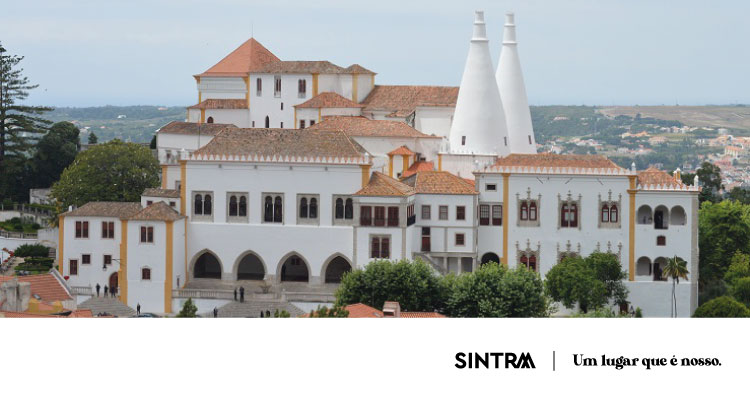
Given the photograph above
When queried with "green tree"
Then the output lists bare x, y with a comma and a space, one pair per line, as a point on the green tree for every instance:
709, 176
414, 284
189, 309
739, 268
572, 282
676, 268
724, 229
333, 312
54, 152
740, 290
152, 145
92, 138
739, 194
494, 291
113, 171
17, 122
722, 307
607, 269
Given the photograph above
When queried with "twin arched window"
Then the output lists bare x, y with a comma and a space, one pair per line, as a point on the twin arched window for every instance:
308, 208
344, 209
528, 210
529, 261
610, 214
237, 206
272, 209
569, 215
203, 204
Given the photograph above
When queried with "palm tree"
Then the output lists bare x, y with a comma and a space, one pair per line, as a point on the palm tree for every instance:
676, 268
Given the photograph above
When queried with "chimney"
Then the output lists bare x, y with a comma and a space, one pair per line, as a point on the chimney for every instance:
15, 295
513, 93
479, 121
391, 309
678, 175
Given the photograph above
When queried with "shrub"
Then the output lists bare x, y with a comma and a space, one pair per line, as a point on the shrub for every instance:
722, 307
188, 309
638, 312
32, 250
741, 290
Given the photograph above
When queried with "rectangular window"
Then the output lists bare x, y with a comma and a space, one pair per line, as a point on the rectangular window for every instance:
460, 213
82, 229
392, 216
484, 214
460, 239
108, 230
425, 239
380, 247
443, 211
463, 140
147, 234
661, 240
277, 86
379, 216
281, 124
172, 204
302, 124
73, 264
258, 87
425, 212
146, 274
85, 259
365, 215
497, 215
302, 88
107, 259
149, 202
490, 187
312, 122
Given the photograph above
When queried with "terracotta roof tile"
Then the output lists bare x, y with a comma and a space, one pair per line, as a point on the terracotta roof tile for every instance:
158, 211
307, 67
401, 151
220, 104
548, 160
360, 310
73, 314
438, 182
418, 166
251, 56
281, 142
46, 286
653, 176
401, 101
383, 185
357, 69
421, 314
105, 209
193, 128
159, 192
329, 100
361, 126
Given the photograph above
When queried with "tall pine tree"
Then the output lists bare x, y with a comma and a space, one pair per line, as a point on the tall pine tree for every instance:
18, 123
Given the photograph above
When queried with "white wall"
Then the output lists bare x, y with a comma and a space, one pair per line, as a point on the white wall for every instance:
237, 117
229, 87
434, 120
148, 293
90, 275
269, 105
464, 165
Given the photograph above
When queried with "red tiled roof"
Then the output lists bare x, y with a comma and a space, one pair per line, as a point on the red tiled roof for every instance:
117, 209
357, 69
329, 100
220, 104
251, 56
421, 314
159, 192
46, 286
307, 67
383, 185
193, 128
401, 151
548, 160
361, 126
438, 182
418, 166
653, 176
401, 101
158, 211
360, 310
73, 314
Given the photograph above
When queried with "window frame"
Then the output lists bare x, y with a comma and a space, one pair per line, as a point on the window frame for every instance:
108, 230
274, 205
258, 87
146, 234
308, 198
277, 86
145, 271
462, 236
365, 215
485, 220
237, 218
443, 210
461, 216
73, 263
84, 257
380, 253
202, 216
428, 209
492, 215
302, 88
104, 259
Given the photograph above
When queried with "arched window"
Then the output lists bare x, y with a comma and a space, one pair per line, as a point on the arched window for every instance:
569, 215
349, 209
268, 122
243, 206
233, 206
303, 208
573, 215
268, 209
210, 120
207, 205
198, 206
313, 207
605, 213
524, 211
339, 213
259, 86
146, 274
613, 217
564, 216
277, 215
532, 211
524, 261
532, 263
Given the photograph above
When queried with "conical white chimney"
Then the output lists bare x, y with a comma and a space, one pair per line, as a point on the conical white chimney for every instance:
513, 93
478, 122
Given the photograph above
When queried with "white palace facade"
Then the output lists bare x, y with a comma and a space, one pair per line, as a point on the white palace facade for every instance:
289, 173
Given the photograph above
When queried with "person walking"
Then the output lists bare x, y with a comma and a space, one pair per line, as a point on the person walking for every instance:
242, 294
235, 294
106, 290
216, 312
138, 309
261, 314
98, 287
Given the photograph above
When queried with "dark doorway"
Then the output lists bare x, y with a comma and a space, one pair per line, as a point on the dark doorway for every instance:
294, 270
207, 266
336, 270
490, 257
251, 268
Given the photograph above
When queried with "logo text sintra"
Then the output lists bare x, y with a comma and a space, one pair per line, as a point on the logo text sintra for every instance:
494, 361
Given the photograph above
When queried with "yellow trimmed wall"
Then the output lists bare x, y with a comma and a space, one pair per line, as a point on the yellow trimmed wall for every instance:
405, 160
506, 197
163, 176
315, 84
183, 181
390, 165
355, 81
631, 229
168, 270
440, 162
122, 275
61, 244
365, 174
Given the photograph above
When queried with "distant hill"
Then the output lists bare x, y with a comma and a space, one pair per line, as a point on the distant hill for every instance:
129, 123
733, 117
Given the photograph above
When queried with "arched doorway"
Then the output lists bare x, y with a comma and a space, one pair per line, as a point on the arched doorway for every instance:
207, 266
336, 269
210, 120
268, 122
661, 217
294, 269
490, 257
113, 283
251, 267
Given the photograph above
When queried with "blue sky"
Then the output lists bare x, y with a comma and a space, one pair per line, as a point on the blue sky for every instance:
604, 52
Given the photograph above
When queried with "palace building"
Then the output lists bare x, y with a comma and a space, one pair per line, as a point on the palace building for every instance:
287, 174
